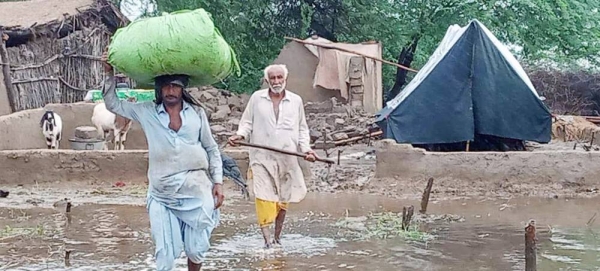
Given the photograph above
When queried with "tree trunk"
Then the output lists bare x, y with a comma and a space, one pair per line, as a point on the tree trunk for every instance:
405, 59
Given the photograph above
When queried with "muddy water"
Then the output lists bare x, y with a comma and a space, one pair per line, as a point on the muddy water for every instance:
116, 237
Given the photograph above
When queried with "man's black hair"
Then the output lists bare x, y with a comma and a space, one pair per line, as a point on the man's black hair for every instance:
163, 80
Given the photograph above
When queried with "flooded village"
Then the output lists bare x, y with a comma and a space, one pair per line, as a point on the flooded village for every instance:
446, 175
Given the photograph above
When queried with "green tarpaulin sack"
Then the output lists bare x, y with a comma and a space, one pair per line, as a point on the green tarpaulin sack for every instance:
182, 42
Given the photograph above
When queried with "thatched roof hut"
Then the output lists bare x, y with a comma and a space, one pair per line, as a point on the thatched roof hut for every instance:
53, 48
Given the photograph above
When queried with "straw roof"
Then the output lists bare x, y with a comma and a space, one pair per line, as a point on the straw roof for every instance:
29, 12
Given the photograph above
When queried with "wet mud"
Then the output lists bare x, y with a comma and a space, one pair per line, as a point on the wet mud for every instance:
108, 229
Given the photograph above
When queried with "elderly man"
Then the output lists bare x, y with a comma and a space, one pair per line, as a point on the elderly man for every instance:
184, 168
275, 117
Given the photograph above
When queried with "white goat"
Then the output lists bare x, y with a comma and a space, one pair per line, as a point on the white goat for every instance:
51, 124
105, 121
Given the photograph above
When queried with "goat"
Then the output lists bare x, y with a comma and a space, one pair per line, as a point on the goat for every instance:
105, 121
51, 125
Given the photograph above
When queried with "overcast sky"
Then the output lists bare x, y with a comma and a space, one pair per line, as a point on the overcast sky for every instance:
132, 9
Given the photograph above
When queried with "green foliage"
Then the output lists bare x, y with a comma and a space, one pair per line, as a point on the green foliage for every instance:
561, 30
383, 226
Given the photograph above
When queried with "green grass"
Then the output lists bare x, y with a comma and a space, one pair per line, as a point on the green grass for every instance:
388, 225
10, 232
383, 226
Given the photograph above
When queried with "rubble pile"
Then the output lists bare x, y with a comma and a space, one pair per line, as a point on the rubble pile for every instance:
340, 177
224, 110
331, 118
331, 121
574, 128
339, 122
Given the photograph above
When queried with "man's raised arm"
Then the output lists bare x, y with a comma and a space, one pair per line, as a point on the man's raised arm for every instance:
111, 100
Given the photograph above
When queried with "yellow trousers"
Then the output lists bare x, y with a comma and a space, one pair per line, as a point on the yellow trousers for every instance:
267, 211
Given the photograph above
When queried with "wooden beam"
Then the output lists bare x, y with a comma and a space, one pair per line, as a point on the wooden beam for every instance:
6, 71
62, 80
35, 80
351, 52
48, 61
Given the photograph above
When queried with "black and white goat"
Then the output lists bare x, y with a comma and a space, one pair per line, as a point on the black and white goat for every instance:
51, 124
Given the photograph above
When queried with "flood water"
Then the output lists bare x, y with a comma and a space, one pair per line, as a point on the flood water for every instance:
489, 237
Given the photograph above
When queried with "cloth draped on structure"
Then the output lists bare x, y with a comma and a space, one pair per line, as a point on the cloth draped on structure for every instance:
332, 70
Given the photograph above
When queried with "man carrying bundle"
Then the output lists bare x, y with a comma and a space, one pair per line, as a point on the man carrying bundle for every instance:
275, 117
184, 168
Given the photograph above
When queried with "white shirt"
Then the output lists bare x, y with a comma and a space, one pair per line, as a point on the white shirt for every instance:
276, 177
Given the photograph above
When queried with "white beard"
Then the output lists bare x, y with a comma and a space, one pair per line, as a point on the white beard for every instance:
277, 89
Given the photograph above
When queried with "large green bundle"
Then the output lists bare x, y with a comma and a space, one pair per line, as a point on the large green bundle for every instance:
182, 42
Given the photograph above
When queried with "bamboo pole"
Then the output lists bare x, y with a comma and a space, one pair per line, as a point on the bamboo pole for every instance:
6, 71
328, 161
351, 52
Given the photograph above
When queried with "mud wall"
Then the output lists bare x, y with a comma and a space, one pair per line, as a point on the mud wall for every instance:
302, 64
21, 130
404, 162
44, 166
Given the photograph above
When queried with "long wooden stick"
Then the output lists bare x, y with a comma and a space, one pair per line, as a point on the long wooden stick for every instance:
328, 161
352, 52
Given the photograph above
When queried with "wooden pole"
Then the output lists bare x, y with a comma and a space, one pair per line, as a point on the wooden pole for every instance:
407, 213
68, 212
351, 52
530, 247
6, 71
357, 138
68, 258
328, 161
426, 194
468, 145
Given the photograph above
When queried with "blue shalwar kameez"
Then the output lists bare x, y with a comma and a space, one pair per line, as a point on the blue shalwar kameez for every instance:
183, 166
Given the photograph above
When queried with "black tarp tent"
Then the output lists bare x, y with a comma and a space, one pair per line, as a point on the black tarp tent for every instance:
471, 86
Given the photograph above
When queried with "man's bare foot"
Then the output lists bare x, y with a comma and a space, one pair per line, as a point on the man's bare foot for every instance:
276, 243
266, 235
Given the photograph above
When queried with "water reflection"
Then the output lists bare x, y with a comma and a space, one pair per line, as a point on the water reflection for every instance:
571, 249
116, 237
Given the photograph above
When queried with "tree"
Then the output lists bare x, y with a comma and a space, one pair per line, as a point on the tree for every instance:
564, 30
